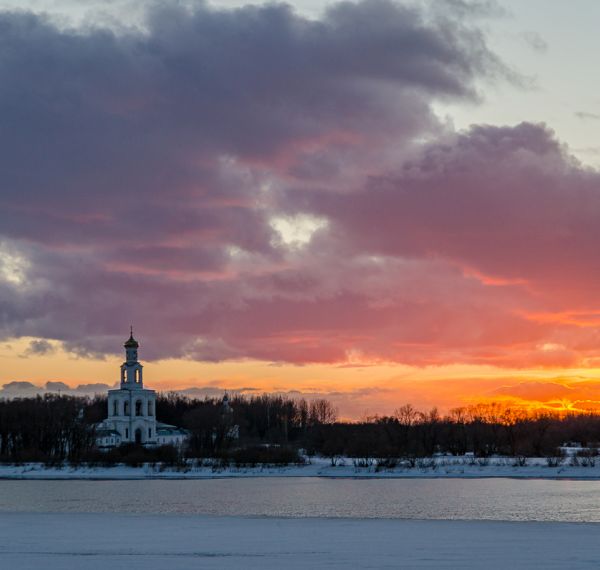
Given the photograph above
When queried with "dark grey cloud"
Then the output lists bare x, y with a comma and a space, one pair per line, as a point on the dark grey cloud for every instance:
19, 389
39, 347
18, 385
103, 132
215, 391
56, 387
535, 41
139, 169
93, 388
585, 116
24, 389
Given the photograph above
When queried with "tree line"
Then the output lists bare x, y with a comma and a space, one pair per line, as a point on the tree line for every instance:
273, 428
483, 430
54, 428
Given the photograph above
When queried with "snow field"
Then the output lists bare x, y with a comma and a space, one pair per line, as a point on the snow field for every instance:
103, 541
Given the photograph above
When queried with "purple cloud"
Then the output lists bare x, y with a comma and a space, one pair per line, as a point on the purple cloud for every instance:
141, 172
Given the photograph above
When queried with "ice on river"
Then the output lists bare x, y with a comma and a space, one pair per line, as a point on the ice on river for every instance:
109, 541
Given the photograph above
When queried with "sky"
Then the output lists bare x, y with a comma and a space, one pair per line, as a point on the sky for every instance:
376, 202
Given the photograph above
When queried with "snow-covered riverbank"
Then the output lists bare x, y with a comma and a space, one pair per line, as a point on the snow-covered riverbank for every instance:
451, 467
100, 541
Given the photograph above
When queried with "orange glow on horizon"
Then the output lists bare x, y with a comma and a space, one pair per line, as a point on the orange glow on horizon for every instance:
581, 319
358, 389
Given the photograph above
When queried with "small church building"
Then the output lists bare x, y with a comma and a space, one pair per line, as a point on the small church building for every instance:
132, 410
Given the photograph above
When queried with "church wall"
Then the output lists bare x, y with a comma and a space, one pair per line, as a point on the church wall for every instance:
139, 403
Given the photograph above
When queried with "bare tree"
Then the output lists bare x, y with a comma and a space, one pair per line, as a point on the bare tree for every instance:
322, 412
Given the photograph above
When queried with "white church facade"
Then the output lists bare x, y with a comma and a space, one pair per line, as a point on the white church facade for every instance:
132, 410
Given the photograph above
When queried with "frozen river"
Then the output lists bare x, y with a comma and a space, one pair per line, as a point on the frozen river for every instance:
448, 499
183, 542
299, 523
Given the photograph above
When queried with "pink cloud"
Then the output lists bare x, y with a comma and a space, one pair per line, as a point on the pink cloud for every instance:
143, 189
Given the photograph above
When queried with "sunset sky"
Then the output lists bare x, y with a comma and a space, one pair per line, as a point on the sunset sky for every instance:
377, 202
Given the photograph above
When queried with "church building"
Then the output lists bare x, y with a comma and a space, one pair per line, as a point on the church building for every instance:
132, 410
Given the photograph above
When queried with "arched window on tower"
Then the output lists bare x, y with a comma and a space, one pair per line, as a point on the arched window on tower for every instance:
150, 409
138, 407
126, 410
115, 407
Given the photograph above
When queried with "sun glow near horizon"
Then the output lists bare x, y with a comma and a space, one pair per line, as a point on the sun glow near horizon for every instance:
356, 390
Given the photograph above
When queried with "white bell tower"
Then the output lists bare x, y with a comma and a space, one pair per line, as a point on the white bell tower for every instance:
132, 408
131, 369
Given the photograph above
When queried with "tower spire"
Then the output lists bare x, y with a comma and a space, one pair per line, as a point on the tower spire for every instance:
131, 342
131, 370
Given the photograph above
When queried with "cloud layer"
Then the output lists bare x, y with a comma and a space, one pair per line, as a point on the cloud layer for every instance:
251, 183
